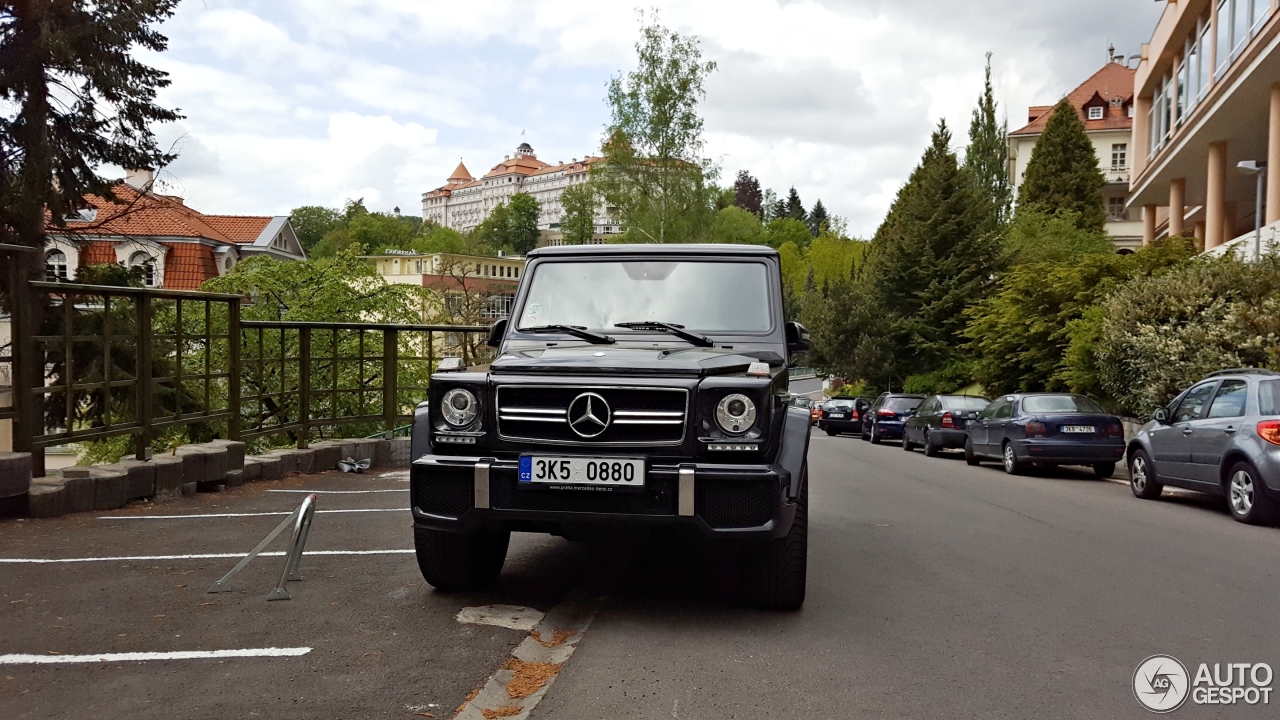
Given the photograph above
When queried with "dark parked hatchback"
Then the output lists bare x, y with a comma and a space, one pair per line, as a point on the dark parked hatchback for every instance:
1046, 429
885, 418
939, 423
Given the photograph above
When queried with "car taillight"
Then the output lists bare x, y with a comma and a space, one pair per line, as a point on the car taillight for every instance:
855, 415
885, 412
947, 421
1115, 430
1269, 430
1035, 428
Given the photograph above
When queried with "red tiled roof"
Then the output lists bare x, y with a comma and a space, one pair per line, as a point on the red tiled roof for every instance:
97, 253
461, 173
187, 265
1113, 82
238, 228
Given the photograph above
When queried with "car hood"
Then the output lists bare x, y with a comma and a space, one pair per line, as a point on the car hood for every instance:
615, 360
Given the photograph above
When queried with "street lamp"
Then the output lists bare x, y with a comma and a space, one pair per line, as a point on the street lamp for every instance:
1257, 168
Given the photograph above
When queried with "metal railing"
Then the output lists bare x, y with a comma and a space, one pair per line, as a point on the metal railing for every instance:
102, 362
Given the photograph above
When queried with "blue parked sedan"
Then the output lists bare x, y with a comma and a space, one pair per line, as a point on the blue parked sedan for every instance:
884, 419
1046, 429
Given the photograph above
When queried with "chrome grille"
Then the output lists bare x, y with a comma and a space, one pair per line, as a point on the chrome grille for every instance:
638, 415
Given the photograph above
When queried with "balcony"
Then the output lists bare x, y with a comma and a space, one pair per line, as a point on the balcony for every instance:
1117, 176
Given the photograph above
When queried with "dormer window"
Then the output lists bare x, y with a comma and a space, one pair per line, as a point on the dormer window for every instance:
142, 261
1095, 113
55, 266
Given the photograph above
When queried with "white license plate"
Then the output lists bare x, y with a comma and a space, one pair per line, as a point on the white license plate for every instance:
589, 472
1078, 429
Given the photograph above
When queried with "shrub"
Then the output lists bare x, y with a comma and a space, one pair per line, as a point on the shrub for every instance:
1162, 333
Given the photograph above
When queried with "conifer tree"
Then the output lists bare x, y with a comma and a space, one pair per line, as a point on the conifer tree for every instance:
987, 157
746, 193
1063, 173
795, 208
818, 218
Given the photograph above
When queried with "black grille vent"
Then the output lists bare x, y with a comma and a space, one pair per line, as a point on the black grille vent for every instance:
640, 416
659, 498
733, 503
448, 495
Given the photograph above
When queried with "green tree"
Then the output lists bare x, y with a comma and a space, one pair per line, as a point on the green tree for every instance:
818, 219
578, 225
747, 195
987, 156
1034, 237
1021, 333
737, 225
933, 256
1063, 172
653, 170
795, 208
312, 222
774, 206
378, 232
785, 230
522, 229
76, 99
436, 239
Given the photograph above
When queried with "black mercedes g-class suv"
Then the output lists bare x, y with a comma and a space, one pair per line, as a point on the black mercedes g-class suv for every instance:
634, 384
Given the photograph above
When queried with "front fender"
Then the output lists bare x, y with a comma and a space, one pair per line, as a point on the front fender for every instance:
795, 446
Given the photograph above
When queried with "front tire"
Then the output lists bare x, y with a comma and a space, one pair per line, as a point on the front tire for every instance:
460, 561
774, 571
1142, 477
1012, 464
970, 456
1247, 498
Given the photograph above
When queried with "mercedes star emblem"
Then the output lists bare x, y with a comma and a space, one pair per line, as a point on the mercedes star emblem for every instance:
589, 415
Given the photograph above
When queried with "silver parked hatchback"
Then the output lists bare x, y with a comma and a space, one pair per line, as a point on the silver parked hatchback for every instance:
1220, 436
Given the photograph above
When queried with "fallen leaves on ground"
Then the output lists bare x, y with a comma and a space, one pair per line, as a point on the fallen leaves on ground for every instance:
557, 638
504, 711
528, 677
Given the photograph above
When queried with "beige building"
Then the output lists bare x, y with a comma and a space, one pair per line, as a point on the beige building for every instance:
463, 202
474, 288
1105, 105
1208, 98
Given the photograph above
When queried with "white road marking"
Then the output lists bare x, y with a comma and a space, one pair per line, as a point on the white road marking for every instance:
395, 475
231, 515
340, 492
507, 616
144, 656
206, 556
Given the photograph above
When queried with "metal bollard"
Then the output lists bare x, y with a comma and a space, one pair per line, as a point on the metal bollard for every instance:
301, 521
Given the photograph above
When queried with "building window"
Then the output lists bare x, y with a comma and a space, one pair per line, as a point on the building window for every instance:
1119, 159
55, 266
143, 262
1224, 35
1261, 9
1095, 113
1116, 211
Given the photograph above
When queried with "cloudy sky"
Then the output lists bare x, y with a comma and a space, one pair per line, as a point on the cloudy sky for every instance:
293, 102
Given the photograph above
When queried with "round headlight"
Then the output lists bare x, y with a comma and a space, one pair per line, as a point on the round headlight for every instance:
458, 407
735, 414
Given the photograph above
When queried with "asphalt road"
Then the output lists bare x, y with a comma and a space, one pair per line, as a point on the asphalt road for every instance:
935, 590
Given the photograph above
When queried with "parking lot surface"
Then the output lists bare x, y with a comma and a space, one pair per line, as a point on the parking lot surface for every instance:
935, 590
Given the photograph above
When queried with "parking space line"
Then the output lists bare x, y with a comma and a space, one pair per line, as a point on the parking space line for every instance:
233, 515
144, 656
340, 492
204, 556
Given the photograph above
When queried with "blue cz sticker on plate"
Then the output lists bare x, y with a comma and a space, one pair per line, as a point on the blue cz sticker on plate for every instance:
526, 469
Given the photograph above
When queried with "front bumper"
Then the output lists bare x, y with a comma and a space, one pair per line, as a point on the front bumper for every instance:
1068, 452
737, 501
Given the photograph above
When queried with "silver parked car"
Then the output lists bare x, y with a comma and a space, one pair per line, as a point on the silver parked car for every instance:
1220, 436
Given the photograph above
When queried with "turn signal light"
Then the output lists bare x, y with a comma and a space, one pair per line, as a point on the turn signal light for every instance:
1269, 430
1035, 428
947, 421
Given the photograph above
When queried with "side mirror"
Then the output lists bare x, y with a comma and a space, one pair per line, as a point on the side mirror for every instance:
496, 333
1161, 416
797, 338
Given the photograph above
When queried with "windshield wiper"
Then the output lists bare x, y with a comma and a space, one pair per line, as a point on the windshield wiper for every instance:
578, 332
677, 330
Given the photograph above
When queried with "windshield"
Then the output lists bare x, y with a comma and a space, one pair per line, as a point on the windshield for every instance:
699, 295
964, 402
900, 404
1060, 404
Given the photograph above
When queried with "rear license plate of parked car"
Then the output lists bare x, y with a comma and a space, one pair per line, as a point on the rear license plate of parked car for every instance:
623, 473
1077, 428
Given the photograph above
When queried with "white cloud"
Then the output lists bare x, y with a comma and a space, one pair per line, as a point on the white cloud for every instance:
315, 101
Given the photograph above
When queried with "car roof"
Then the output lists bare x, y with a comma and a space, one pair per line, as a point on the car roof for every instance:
613, 250
1240, 372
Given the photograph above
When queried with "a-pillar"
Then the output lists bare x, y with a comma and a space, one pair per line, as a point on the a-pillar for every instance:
1177, 206
1273, 158
1148, 224
1215, 196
